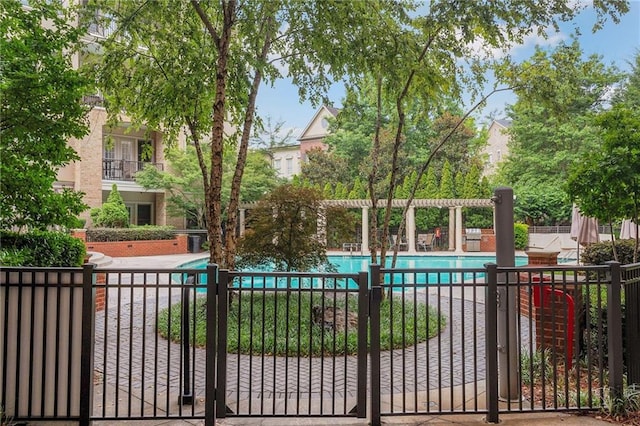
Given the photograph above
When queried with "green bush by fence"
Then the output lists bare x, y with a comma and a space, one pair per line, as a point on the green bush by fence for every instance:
521, 234
41, 249
140, 233
599, 253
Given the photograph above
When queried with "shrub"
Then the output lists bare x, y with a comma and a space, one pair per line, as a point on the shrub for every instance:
600, 253
113, 213
521, 233
41, 249
138, 233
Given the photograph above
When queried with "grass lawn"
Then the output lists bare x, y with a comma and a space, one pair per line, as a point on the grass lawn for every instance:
267, 323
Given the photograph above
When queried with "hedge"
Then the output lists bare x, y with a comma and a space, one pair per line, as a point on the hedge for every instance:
139, 233
599, 253
41, 249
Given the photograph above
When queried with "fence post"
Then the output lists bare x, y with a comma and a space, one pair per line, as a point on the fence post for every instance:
507, 333
363, 316
212, 315
187, 392
374, 315
86, 355
614, 330
491, 318
221, 358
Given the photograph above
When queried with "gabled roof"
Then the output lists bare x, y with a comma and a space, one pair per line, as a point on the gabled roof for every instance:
504, 123
323, 109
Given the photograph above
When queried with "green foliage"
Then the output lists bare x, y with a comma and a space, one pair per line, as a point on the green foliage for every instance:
541, 205
602, 252
281, 231
113, 213
625, 405
41, 249
261, 323
341, 226
606, 183
41, 109
135, 233
559, 92
447, 189
534, 367
521, 235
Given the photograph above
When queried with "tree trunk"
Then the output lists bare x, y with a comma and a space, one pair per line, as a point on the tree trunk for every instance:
234, 200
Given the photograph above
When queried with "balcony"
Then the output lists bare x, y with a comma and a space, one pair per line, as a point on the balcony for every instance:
125, 170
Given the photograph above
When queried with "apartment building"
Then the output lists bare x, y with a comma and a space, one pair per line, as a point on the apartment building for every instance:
287, 160
113, 155
497, 145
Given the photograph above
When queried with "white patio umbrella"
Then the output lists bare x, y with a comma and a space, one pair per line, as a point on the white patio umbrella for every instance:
628, 230
584, 230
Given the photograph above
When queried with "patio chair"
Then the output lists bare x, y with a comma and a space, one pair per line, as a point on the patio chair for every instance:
426, 241
402, 245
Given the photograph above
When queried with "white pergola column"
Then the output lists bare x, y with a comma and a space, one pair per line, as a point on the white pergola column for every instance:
242, 219
459, 230
411, 228
365, 230
452, 229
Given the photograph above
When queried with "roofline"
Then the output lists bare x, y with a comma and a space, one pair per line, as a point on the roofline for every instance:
314, 119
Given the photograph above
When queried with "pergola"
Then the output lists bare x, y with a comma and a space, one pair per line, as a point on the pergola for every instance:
455, 216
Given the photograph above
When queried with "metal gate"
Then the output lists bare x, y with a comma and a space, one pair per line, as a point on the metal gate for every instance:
275, 344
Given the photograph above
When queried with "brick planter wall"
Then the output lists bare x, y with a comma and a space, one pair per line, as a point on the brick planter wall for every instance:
488, 240
136, 248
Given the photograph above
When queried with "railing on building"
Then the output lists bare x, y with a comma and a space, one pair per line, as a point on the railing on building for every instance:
125, 170
567, 347
565, 229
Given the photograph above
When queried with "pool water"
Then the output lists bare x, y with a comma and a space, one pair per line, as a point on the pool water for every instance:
353, 264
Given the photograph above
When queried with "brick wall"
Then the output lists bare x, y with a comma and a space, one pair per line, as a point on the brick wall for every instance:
136, 248
551, 321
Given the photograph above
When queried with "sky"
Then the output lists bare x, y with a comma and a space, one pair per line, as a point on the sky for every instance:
616, 43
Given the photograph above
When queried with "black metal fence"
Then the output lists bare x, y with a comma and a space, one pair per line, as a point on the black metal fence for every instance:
200, 344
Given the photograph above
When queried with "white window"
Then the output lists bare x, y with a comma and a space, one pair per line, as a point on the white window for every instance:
276, 164
289, 166
499, 155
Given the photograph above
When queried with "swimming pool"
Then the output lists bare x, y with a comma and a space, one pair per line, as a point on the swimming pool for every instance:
348, 264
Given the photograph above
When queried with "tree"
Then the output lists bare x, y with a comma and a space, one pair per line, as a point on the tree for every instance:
113, 213
183, 182
425, 55
41, 109
200, 65
282, 231
606, 183
324, 167
559, 93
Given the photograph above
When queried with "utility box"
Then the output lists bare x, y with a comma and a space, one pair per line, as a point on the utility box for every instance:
193, 244
473, 237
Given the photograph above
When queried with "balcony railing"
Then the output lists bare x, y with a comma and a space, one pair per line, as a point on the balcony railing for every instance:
102, 29
125, 169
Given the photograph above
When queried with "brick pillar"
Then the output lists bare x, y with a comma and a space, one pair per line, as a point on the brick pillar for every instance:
101, 293
551, 309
